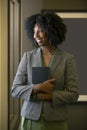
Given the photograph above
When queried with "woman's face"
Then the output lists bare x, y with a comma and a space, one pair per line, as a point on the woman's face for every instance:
40, 36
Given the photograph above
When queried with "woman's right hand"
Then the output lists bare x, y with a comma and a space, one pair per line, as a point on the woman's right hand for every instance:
45, 87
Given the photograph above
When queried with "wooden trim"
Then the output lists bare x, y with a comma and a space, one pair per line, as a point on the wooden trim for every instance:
14, 122
14, 57
64, 10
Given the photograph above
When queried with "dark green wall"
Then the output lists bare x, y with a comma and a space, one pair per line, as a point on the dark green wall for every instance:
65, 4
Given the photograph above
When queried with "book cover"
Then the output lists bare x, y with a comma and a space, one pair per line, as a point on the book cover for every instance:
40, 74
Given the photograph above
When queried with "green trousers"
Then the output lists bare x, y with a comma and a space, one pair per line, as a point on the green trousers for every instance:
42, 125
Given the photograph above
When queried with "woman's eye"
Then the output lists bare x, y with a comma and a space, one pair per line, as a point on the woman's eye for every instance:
40, 30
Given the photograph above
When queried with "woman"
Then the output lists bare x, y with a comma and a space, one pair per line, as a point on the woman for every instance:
45, 104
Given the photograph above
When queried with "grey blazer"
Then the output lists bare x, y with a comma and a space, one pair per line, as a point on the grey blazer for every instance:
63, 69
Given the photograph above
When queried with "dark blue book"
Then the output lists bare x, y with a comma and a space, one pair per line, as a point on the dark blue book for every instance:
40, 74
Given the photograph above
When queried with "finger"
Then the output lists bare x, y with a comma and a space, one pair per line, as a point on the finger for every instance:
51, 80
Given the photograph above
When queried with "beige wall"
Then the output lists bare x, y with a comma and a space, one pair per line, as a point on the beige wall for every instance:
0, 65
3, 66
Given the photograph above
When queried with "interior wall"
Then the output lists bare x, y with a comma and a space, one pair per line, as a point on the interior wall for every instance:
65, 4
77, 116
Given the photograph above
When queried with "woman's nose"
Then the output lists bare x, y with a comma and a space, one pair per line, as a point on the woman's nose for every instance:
36, 34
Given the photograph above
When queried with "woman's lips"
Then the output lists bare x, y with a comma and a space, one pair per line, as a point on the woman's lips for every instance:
38, 40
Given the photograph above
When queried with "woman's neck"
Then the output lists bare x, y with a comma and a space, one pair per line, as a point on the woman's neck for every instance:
47, 50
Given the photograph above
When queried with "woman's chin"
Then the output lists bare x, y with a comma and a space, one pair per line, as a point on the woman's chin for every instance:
40, 44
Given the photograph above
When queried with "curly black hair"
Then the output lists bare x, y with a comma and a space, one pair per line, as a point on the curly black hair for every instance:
52, 23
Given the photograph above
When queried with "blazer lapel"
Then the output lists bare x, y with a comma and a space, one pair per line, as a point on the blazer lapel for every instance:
56, 60
36, 62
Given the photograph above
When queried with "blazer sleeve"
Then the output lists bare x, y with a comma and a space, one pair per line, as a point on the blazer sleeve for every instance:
21, 88
71, 92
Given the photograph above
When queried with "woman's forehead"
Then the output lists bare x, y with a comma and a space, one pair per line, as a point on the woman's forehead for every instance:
37, 26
